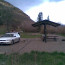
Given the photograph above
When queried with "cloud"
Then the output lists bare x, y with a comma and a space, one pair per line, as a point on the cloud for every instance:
25, 4
55, 10
55, 0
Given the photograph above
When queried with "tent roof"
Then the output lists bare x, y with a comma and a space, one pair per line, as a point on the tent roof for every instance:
45, 22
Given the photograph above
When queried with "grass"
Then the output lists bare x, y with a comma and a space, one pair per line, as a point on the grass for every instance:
29, 35
2, 30
33, 58
62, 35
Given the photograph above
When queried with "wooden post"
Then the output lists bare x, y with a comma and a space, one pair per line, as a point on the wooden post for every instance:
45, 34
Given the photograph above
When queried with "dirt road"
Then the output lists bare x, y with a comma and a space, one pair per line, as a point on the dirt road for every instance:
34, 44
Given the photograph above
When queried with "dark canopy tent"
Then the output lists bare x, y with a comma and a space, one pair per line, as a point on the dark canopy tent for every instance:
45, 22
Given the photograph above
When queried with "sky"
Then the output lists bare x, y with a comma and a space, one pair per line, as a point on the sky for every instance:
55, 9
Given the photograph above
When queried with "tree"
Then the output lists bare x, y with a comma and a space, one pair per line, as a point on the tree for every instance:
39, 19
40, 16
48, 18
1, 23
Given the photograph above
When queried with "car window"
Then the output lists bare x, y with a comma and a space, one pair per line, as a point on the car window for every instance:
17, 35
8, 35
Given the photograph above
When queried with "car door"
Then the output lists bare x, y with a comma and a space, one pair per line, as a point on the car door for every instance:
16, 37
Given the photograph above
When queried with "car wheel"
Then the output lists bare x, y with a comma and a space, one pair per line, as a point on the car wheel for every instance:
19, 40
12, 42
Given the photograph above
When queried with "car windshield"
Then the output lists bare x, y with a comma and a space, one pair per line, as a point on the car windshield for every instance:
7, 35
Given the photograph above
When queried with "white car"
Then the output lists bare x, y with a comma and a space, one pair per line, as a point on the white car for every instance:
10, 38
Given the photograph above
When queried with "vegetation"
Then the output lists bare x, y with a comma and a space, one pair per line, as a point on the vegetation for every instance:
30, 35
33, 58
14, 18
40, 17
2, 30
6, 15
62, 35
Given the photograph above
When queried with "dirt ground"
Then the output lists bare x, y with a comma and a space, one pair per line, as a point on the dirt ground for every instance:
34, 44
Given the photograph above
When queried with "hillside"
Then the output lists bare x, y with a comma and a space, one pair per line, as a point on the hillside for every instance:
14, 18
